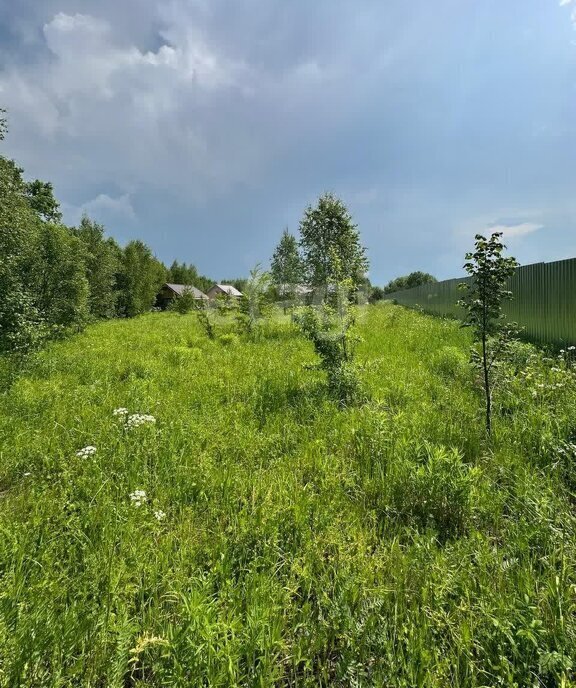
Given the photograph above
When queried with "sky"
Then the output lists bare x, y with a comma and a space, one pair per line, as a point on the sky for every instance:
205, 127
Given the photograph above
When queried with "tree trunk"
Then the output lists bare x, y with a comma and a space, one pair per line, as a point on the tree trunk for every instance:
486, 386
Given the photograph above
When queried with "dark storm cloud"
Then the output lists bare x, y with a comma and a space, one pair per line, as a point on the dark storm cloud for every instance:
204, 127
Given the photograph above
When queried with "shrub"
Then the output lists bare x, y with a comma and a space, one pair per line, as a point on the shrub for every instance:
330, 331
254, 303
206, 320
185, 303
435, 492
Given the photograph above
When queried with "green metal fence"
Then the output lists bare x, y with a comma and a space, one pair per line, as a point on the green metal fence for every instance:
543, 304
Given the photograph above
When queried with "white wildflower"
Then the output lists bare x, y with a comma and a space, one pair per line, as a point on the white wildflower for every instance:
86, 452
572, 348
27, 474
137, 419
159, 515
120, 412
138, 497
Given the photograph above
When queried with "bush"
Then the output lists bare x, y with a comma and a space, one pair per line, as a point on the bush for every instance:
185, 303
329, 329
206, 320
434, 493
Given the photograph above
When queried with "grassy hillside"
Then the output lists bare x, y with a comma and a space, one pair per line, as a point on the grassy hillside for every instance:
255, 534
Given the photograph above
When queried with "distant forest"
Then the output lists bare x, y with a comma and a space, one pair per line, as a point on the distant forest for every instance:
55, 279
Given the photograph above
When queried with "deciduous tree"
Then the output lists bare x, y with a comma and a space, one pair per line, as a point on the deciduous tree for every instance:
101, 259
41, 198
489, 271
58, 278
140, 278
20, 321
330, 244
414, 279
286, 266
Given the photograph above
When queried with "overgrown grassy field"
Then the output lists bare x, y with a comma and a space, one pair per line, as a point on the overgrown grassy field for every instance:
279, 540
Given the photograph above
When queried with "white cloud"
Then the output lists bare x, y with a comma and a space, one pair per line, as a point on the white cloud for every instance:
116, 114
566, 3
519, 230
120, 206
102, 208
188, 97
190, 116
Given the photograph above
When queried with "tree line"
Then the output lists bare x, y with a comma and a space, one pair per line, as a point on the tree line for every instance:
54, 279
328, 251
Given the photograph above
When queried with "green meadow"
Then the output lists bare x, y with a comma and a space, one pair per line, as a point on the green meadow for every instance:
180, 511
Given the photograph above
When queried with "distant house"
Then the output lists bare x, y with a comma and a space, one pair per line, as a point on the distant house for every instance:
226, 289
169, 292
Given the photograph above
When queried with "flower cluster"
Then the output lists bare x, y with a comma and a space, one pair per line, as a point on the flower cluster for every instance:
138, 497
86, 452
549, 378
133, 420
137, 419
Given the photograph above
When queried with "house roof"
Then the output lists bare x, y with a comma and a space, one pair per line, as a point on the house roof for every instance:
229, 289
182, 288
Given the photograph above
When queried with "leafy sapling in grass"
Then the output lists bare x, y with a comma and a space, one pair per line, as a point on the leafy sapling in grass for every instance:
330, 329
225, 303
185, 303
253, 304
489, 271
205, 317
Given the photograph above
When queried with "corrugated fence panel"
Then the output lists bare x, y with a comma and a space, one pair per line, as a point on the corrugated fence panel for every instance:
543, 304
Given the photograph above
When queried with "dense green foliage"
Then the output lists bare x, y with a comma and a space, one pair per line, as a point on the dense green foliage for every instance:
330, 329
185, 303
141, 276
376, 294
281, 539
102, 259
57, 277
414, 279
330, 244
41, 199
54, 279
181, 273
286, 267
20, 321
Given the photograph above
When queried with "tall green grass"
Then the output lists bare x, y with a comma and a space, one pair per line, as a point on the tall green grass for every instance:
285, 541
